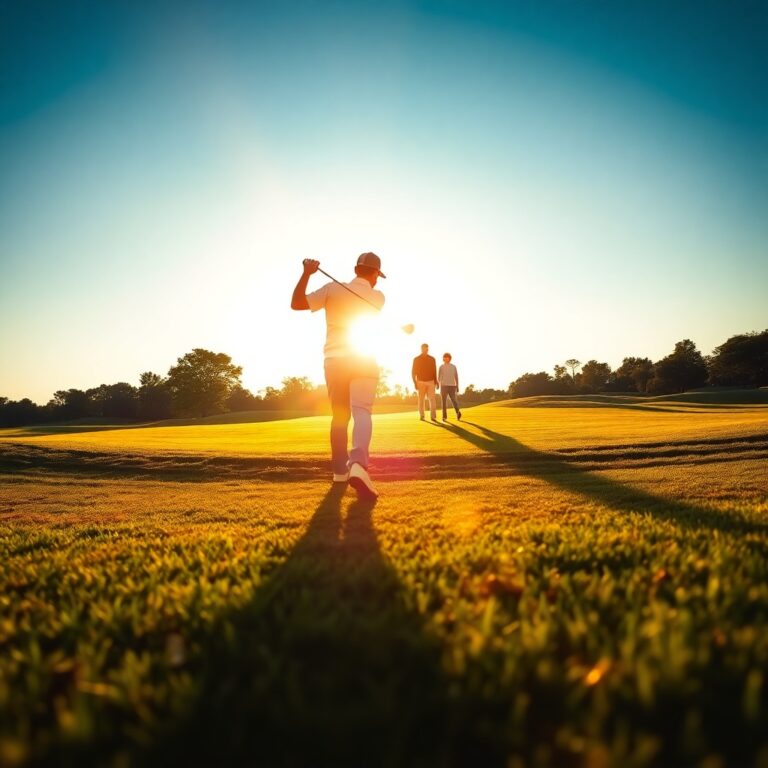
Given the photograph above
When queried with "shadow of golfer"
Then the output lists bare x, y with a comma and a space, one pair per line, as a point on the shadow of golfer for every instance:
322, 666
571, 477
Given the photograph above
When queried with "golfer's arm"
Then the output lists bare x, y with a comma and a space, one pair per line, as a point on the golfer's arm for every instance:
299, 298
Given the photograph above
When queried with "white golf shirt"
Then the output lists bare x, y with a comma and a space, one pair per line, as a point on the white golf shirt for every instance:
448, 375
342, 310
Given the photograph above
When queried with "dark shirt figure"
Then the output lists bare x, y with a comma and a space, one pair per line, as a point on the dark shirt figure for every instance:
424, 373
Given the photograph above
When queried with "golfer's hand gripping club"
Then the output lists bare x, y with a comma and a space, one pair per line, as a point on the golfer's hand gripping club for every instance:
310, 266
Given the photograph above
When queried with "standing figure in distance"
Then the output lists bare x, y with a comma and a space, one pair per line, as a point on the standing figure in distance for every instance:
424, 373
448, 378
351, 378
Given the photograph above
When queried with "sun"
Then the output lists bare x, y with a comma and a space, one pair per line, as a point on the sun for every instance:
389, 343
371, 336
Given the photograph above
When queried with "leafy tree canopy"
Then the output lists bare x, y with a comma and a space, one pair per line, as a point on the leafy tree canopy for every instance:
742, 360
201, 381
684, 369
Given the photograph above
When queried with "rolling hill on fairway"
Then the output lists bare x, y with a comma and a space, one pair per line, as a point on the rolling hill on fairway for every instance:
540, 423
542, 584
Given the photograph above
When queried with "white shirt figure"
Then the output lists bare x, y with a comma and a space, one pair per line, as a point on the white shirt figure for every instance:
448, 378
447, 375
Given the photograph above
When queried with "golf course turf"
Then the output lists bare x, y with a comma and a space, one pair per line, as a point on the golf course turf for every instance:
551, 582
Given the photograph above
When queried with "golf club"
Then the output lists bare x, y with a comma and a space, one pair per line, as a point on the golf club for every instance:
408, 328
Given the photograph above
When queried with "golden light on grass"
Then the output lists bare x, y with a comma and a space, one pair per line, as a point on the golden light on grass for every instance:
597, 673
463, 517
399, 433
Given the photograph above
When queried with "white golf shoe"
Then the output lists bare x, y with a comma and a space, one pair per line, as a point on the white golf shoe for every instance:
337, 478
361, 481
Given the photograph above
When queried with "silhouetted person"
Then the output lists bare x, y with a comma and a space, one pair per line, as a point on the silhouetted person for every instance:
448, 379
351, 378
424, 373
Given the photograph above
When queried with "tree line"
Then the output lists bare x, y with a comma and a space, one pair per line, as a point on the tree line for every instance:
741, 361
201, 383
204, 383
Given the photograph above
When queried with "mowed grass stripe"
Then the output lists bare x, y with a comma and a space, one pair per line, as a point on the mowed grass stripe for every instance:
498, 454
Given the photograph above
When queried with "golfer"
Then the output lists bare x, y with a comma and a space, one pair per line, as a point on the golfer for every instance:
424, 373
448, 378
350, 377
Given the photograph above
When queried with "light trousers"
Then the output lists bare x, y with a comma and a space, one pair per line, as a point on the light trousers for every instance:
351, 383
426, 390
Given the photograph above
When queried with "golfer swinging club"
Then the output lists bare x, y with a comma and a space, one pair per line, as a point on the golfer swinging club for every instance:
350, 377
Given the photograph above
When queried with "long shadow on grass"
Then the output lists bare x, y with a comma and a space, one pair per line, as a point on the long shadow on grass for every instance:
571, 477
327, 666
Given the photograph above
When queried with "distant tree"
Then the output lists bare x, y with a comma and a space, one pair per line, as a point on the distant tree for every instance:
530, 384
642, 373
382, 387
595, 376
148, 379
122, 400
684, 369
201, 381
95, 404
154, 397
241, 399
295, 386
69, 404
573, 364
299, 393
621, 380
271, 397
634, 373
472, 394
563, 383
119, 400
18, 413
741, 361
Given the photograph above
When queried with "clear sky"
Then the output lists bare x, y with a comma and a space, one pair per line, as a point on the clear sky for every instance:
542, 180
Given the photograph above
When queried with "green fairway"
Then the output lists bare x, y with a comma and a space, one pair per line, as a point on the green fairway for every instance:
552, 582
542, 423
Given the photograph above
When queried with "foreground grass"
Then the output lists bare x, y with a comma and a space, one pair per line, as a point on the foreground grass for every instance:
560, 614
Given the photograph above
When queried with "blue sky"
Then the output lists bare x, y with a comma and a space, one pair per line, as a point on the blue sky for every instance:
542, 181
